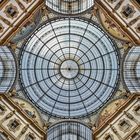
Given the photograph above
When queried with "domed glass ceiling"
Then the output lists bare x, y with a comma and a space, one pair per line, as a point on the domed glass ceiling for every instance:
69, 6
69, 67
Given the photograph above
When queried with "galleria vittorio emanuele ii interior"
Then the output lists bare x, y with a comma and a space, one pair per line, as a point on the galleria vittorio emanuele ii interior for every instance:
69, 69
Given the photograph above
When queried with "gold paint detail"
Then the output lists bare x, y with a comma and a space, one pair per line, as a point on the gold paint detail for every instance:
111, 27
110, 110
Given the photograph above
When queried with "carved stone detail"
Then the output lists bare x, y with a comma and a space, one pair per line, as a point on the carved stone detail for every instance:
1, 28
2, 109
108, 137
27, 1
138, 28
11, 11
125, 125
137, 110
30, 135
14, 125
128, 11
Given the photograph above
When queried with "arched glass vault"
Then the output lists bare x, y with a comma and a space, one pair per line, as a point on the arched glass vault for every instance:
131, 69
69, 130
69, 7
7, 69
69, 67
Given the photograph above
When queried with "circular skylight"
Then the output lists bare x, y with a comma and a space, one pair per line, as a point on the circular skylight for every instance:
69, 6
132, 69
69, 130
69, 67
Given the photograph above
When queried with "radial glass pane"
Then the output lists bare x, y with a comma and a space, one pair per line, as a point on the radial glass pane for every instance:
69, 68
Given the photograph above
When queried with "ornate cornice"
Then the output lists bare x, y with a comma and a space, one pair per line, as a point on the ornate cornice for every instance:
117, 22
16, 27
23, 114
113, 116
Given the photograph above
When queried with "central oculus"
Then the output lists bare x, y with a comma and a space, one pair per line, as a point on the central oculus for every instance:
69, 69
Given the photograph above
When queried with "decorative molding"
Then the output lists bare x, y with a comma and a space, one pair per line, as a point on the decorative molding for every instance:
108, 137
4, 135
21, 5
1, 28
12, 31
9, 115
5, 20
136, 110
24, 129
118, 5
14, 121
27, 1
138, 28
2, 109
134, 20
124, 123
111, 1
30, 135
136, 4
13, 9
130, 35
21, 112
124, 11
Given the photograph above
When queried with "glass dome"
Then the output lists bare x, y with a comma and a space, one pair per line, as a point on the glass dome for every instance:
69, 6
69, 67
7, 69
132, 69
69, 130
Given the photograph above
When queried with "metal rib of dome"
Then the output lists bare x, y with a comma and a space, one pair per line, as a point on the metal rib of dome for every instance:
69, 67
7, 69
69, 6
69, 130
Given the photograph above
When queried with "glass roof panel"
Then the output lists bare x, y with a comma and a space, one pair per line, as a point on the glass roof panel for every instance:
68, 73
69, 6
132, 69
7, 69
69, 130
